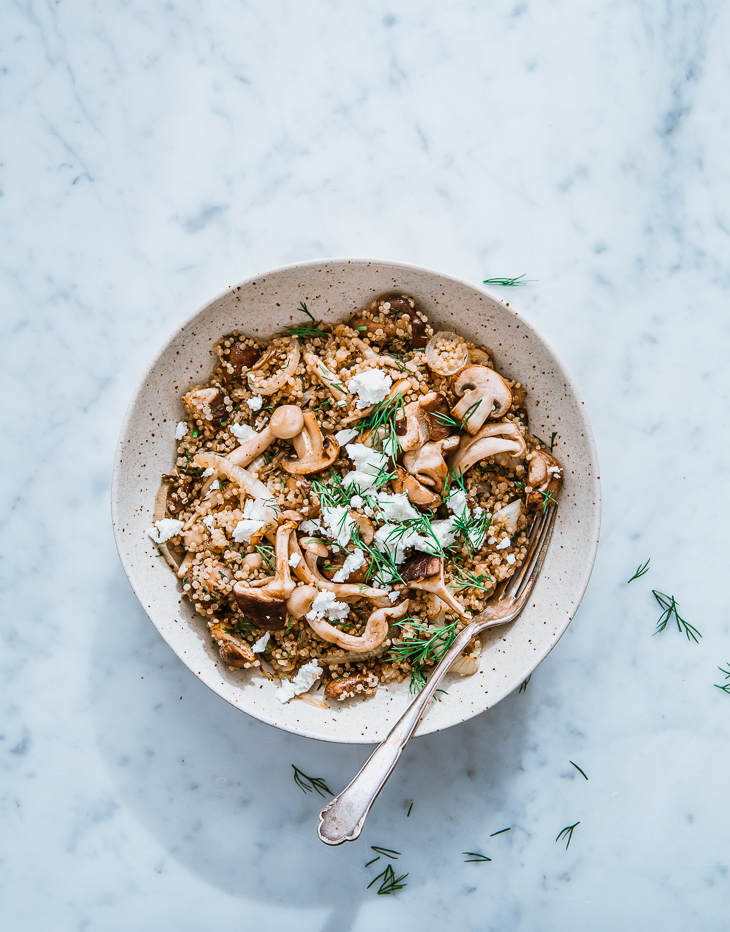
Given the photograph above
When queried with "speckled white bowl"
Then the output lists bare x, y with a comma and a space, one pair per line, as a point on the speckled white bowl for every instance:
334, 288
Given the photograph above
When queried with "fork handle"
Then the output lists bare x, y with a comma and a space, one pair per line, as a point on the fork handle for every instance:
342, 819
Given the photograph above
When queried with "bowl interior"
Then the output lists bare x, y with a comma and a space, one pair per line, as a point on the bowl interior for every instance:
333, 289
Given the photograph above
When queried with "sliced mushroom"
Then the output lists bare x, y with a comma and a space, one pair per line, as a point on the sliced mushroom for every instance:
418, 494
436, 409
282, 375
308, 571
233, 650
326, 376
206, 404
242, 357
376, 629
285, 423
545, 476
314, 452
425, 571
413, 429
467, 663
502, 437
267, 604
428, 465
483, 393
345, 686
216, 577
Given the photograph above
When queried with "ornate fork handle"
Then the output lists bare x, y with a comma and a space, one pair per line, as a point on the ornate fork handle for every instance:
343, 818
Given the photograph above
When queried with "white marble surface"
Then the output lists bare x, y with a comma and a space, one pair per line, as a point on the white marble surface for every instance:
152, 154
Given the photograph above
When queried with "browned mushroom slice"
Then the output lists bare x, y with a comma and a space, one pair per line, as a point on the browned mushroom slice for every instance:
242, 357
345, 686
484, 394
545, 476
502, 437
428, 465
266, 604
436, 409
314, 452
418, 494
283, 372
205, 404
233, 650
285, 423
326, 376
413, 429
216, 577
376, 629
425, 571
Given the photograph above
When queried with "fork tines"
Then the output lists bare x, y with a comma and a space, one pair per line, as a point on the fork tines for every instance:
536, 550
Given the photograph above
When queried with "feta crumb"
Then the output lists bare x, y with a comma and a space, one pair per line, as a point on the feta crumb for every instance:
214, 486
397, 507
510, 558
259, 646
346, 435
243, 431
208, 472
255, 403
164, 529
356, 501
310, 526
492, 541
294, 560
255, 515
208, 522
456, 503
326, 606
503, 544
302, 682
368, 463
370, 386
338, 524
181, 430
352, 562
393, 596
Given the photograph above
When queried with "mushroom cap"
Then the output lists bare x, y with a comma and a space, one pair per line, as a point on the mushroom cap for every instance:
501, 437
436, 408
233, 650
420, 566
314, 452
286, 421
484, 393
417, 493
265, 610
545, 475
427, 464
300, 601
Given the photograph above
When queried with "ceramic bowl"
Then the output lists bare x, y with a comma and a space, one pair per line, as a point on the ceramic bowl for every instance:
332, 289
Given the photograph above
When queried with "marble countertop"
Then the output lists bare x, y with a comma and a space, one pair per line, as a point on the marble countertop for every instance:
153, 154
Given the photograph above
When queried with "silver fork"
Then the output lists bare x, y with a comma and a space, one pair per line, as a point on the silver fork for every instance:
342, 819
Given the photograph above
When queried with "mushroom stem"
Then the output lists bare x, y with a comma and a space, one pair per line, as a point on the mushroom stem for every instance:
314, 452
285, 423
502, 437
376, 629
325, 376
425, 571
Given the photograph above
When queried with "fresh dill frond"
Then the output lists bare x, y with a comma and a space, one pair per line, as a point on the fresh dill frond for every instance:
425, 647
307, 784
408, 814
302, 332
552, 440
640, 570
467, 580
474, 858
305, 310
386, 852
580, 771
523, 687
390, 883
726, 687
381, 423
509, 282
567, 832
669, 607
500, 832
266, 552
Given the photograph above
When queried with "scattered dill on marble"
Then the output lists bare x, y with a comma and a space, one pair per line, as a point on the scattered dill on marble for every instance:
579, 769
474, 858
390, 883
510, 282
567, 832
726, 686
307, 784
640, 570
523, 687
500, 832
669, 607
408, 814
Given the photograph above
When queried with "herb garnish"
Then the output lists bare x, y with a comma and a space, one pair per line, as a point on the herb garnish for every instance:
726, 687
307, 784
305, 310
386, 852
390, 883
640, 570
669, 605
426, 647
552, 440
467, 580
474, 857
266, 552
567, 832
523, 687
509, 282
408, 814
578, 768
500, 832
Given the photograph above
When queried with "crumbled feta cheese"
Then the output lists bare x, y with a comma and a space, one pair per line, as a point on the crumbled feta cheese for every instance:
346, 435
259, 646
338, 524
208, 472
554, 471
445, 533
325, 605
208, 522
294, 560
352, 562
164, 529
243, 431
214, 486
356, 501
181, 430
503, 544
368, 463
393, 596
311, 526
395, 540
255, 403
302, 682
255, 515
511, 558
492, 541
456, 503
397, 507
370, 386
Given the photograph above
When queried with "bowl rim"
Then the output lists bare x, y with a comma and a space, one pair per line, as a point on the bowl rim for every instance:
594, 526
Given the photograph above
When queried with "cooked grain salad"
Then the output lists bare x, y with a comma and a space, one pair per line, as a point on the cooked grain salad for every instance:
345, 497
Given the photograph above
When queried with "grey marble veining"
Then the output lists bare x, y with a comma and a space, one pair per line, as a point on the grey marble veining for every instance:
151, 155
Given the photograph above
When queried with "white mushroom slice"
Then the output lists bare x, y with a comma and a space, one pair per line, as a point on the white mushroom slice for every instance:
376, 629
466, 664
425, 571
280, 378
252, 486
285, 423
484, 394
545, 476
428, 465
446, 353
326, 376
413, 429
502, 437
233, 650
314, 452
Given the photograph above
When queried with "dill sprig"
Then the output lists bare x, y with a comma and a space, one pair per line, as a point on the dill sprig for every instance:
302, 332
424, 648
552, 440
307, 784
408, 814
510, 282
390, 883
640, 570
580, 771
523, 687
266, 552
305, 310
726, 687
567, 832
381, 423
474, 858
467, 580
386, 852
500, 832
669, 607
